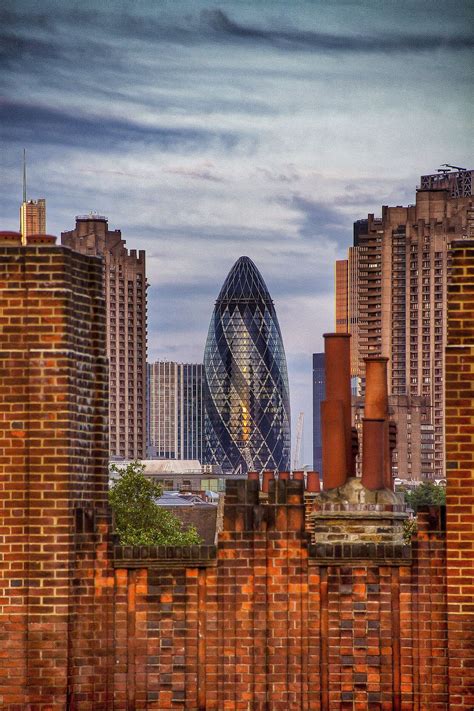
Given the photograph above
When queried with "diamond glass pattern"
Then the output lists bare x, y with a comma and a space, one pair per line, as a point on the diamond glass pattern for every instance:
246, 392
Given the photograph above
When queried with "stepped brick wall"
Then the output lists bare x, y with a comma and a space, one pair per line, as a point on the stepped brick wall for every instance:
266, 619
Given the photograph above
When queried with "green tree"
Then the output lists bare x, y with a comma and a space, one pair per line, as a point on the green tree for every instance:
426, 494
138, 519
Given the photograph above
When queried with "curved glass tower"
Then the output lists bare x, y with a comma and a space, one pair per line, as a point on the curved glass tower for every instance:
246, 394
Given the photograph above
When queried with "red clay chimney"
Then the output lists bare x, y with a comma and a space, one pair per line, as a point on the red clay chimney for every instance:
267, 477
376, 407
333, 444
313, 484
253, 476
298, 476
373, 453
283, 476
338, 462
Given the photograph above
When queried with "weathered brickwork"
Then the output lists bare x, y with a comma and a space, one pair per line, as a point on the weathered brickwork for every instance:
460, 475
53, 473
264, 623
268, 619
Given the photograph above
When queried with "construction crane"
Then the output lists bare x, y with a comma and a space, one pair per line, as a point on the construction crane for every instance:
299, 439
248, 458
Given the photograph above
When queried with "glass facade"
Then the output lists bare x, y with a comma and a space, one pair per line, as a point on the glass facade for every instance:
319, 388
246, 393
175, 410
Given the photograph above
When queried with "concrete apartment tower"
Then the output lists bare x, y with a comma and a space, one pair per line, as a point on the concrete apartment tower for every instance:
175, 410
125, 297
399, 267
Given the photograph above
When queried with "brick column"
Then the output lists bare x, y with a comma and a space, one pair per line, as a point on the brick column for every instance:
53, 475
460, 476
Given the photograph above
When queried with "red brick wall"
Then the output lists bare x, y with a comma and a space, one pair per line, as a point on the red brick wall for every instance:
53, 445
266, 620
460, 476
273, 622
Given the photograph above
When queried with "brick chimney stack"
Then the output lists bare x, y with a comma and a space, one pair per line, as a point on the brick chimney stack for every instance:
355, 509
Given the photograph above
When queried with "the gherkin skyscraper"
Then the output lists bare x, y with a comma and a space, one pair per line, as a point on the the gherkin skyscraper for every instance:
246, 394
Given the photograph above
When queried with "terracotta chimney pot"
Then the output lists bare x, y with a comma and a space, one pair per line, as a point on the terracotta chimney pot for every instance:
335, 462
267, 477
373, 453
337, 366
313, 483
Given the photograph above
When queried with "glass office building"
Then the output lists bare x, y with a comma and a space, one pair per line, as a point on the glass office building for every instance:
175, 410
246, 394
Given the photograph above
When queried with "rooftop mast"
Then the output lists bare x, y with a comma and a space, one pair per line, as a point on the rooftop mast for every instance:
24, 174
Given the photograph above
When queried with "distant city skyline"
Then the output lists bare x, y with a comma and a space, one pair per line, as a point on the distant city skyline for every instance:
205, 132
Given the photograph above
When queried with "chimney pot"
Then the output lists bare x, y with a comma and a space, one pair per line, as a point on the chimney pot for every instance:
268, 476
335, 462
337, 366
373, 453
313, 483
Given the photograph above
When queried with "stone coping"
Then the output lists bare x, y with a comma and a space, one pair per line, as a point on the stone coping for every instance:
359, 553
164, 556
359, 515
366, 508
356, 553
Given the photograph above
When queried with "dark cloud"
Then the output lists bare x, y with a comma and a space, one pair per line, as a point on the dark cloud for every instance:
31, 124
296, 39
14, 48
38, 40
319, 220
206, 174
190, 28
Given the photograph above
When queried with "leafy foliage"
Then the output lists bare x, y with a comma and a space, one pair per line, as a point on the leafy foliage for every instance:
410, 527
426, 494
139, 520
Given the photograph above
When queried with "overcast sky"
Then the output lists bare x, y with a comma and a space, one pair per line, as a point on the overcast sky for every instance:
206, 131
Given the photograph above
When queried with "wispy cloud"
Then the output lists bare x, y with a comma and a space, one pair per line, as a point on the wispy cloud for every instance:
40, 124
297, 39
204, 171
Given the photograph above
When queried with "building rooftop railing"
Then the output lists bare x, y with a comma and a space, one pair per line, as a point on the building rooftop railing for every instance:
92, 216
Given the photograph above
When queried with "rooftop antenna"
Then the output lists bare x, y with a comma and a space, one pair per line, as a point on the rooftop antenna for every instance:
24, 174
453, 167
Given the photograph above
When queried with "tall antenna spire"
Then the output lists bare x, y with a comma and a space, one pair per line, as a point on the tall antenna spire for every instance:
24, 174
